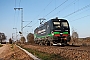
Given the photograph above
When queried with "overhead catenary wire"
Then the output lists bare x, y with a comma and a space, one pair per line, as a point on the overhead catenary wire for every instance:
42, 11
81, 13
15, 15
19, 3
48, 4
15, 3
14, 18
15, 11
53, 9
64, 8
77, 10
56, 8
80, 18
14, 26
27, 24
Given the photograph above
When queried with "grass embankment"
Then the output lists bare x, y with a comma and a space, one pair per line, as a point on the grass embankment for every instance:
1, 45
45, 56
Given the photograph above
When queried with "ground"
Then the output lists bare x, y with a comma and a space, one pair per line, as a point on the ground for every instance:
11, 52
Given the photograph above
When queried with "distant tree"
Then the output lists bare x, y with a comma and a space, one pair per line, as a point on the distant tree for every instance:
75, 37
10, 41
30, 38
22, 40
2, 37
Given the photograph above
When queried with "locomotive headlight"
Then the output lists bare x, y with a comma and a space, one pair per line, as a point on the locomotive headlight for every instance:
61, 33
52, 33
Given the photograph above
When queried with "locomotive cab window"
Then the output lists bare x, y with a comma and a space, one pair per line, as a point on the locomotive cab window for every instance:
56, 24
64, 24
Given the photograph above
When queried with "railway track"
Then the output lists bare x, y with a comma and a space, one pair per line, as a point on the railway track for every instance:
71, 47
72, 52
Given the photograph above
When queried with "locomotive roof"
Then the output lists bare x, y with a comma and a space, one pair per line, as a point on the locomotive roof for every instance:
54, 19
59, 19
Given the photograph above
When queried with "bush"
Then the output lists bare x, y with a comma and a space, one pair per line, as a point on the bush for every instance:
23, 40
30, 38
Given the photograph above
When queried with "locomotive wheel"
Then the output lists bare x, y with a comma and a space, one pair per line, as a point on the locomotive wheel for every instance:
65, 42
40, 43
46, 44
51, 43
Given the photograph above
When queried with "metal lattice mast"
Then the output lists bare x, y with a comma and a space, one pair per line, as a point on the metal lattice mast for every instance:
21, 18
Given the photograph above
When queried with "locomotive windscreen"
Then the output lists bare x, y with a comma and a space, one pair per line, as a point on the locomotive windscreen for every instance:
59, 24
56, 24
64, 24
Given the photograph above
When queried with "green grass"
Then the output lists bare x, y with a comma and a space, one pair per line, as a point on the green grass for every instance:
1, 45
45, 56
12, 45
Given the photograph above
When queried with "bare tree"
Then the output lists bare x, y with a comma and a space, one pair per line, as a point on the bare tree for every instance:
2, 37
10, 41
23, 40
75, 37
30, 38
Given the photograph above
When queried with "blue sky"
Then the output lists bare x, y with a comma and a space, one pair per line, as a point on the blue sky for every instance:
35, 9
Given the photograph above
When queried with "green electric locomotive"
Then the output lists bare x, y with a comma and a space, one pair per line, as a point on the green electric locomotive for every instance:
53, 32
